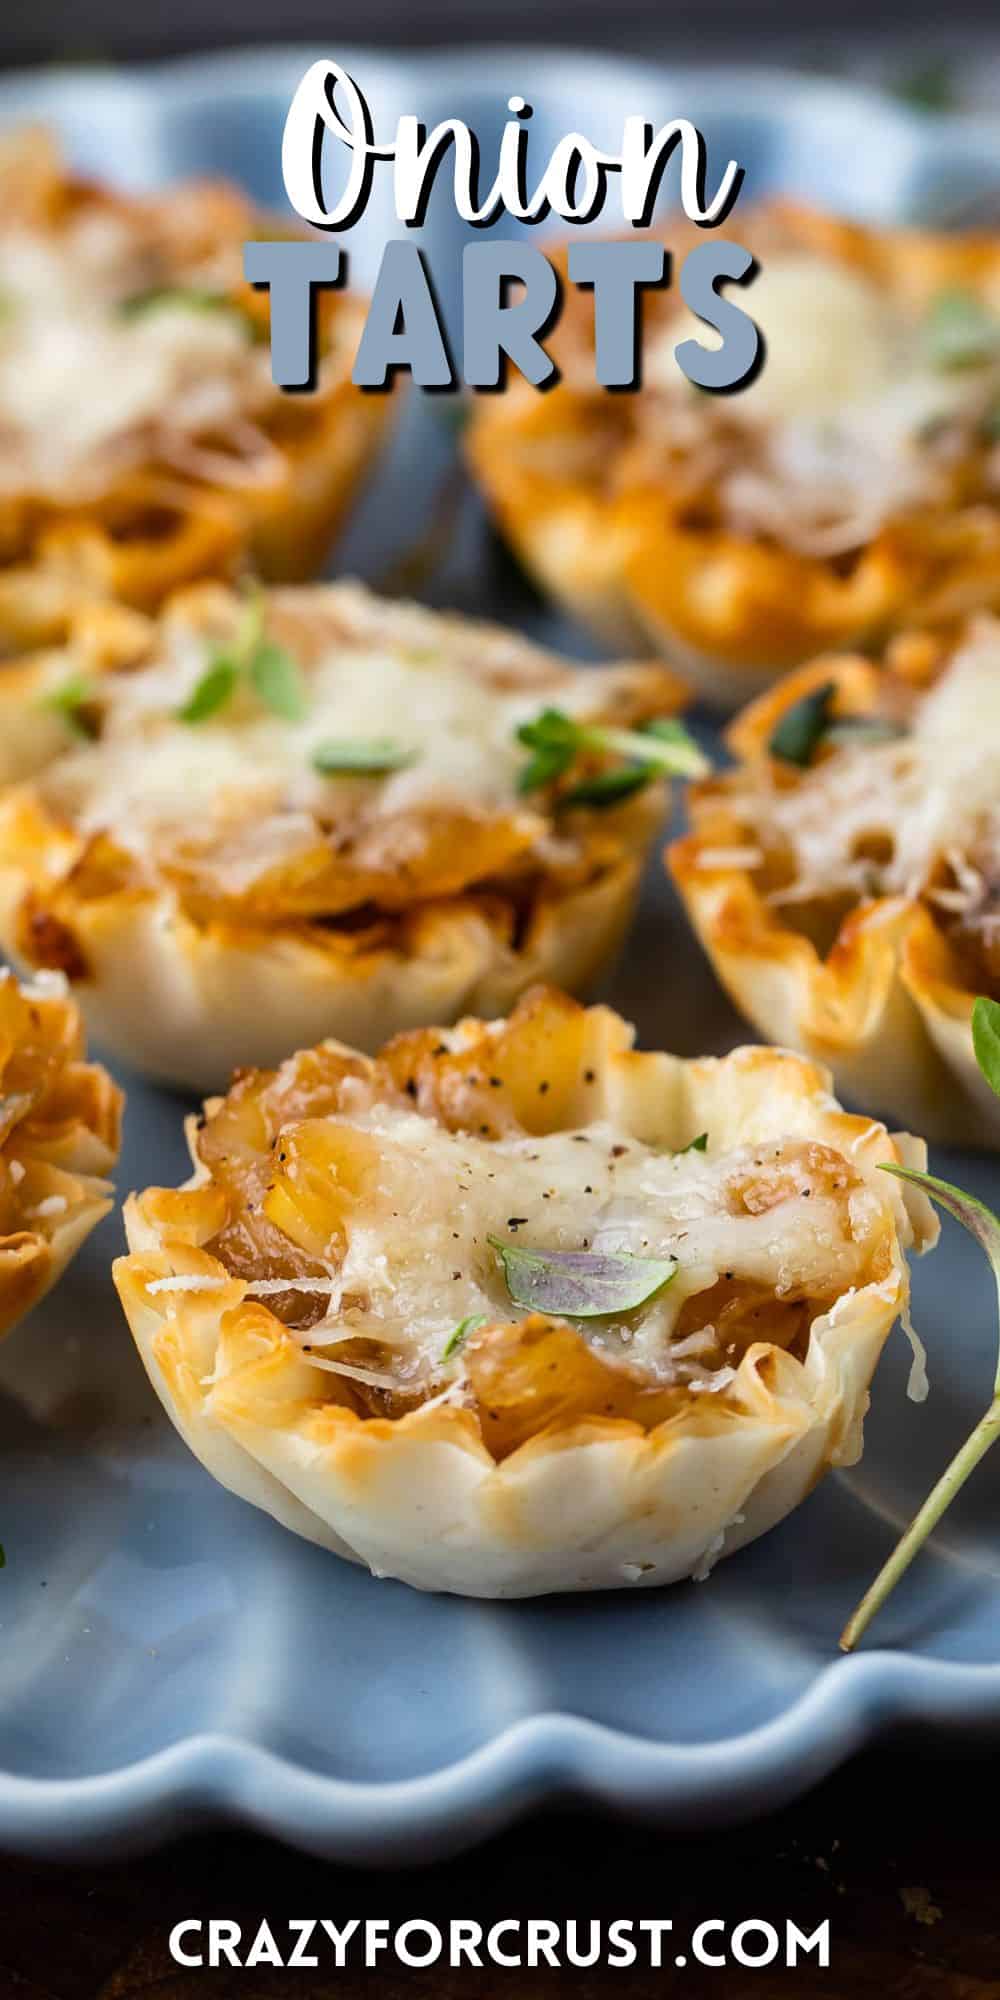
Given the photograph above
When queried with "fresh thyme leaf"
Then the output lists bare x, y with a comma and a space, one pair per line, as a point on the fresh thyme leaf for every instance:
695, 1145
461, 1333
580, 1284
215, 688
553, 738
984, 1226
802, 727
545, 767
271, 671
986, 1040
70, 700
961, 331
809, 722
192, 298
660, 746
929, 87
607, 787
277, 682
549, 731
361, 756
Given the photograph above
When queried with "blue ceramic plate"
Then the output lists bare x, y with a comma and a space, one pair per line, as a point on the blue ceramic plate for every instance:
166, 1653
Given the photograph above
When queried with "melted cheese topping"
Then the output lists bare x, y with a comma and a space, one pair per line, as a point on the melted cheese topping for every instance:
828, 334
840, 411
87, 388
928, 793
242, 784
786, 1216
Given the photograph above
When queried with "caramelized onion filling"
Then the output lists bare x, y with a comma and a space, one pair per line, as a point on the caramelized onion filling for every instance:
308, 1157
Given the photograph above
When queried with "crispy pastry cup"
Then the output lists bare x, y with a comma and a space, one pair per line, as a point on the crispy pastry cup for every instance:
149, 529
60, 1119
585, 1501
731, 611
187, 996
887, 1008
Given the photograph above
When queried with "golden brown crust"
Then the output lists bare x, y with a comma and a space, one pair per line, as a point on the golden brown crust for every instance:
556, 1467
148, 528
369, 926
883, 993
642, 555
60, 1120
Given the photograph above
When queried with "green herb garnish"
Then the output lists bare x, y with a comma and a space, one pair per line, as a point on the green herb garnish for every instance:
215, 688
71, 700
810, 722
271, 671
461, 1332
556, 740
694, 1145
960, 331
984, 1226
803, 726
361, 757
607, 787
191, 298
581, 1284
276, 681
986, 1041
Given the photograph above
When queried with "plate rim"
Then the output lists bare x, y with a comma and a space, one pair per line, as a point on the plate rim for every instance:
539, 1761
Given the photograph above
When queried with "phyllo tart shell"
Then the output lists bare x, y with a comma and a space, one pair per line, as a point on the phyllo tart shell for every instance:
847, 896
142, 441
60, 1119
257, 821
327, 1308
850, 490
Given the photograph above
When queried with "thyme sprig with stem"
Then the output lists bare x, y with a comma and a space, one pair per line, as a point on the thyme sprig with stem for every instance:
984, 1226
662, 747
269, 669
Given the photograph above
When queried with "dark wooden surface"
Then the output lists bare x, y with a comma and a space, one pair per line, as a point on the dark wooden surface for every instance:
53, 30
893, 1839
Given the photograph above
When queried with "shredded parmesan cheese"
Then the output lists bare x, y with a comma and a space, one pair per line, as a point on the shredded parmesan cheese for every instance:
784, 1219
874, 819
837, 432
373, 1378
238, 800
269, 1287
168, 372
